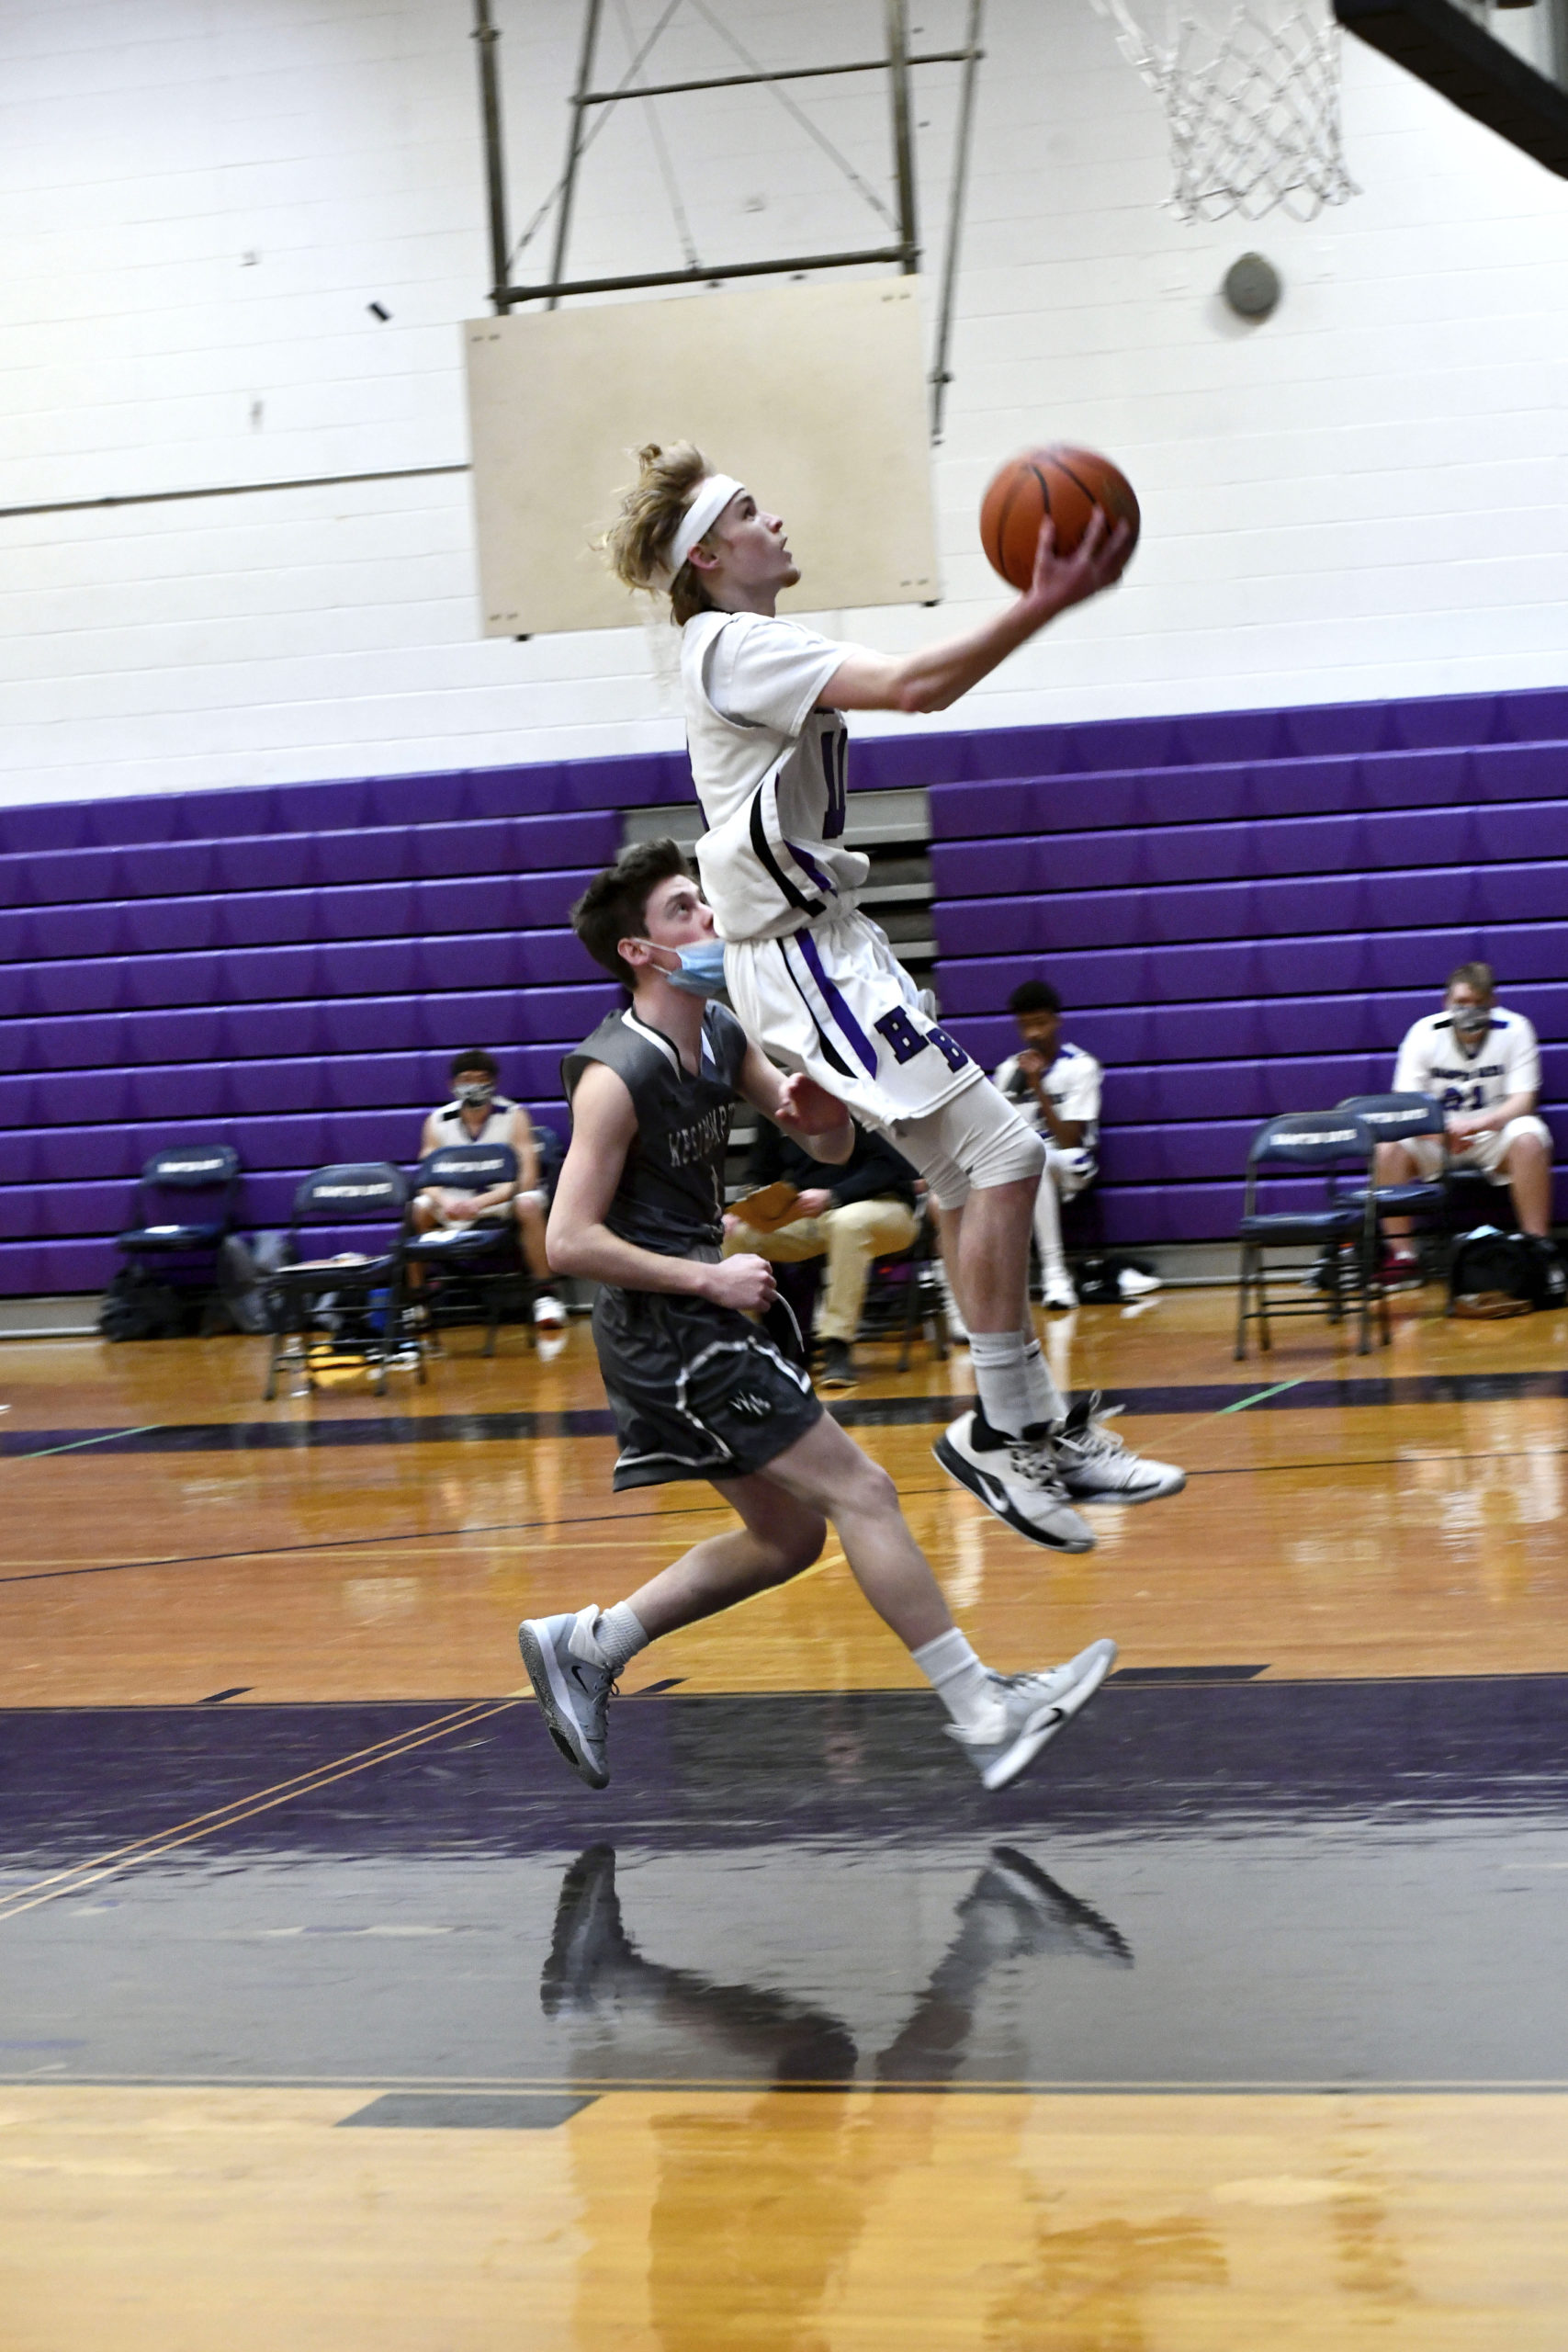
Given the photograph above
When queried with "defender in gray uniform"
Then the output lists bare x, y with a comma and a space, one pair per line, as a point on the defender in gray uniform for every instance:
698, 1390
697, 1386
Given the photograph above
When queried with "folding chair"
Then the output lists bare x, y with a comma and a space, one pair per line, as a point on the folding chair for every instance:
905, 1289
1318, 1142
356, 1192
183, 1248
185, 1169
1395, 1118
480, 1258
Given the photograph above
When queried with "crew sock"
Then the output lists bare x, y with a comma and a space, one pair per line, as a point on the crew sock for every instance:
959, 1679
1017, 1392
618, 1636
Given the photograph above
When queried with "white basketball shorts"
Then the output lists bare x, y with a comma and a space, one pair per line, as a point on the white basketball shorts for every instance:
835, 1001
1483, 1151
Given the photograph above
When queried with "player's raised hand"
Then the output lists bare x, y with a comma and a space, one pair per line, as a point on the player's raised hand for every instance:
745, 1282
1098, 562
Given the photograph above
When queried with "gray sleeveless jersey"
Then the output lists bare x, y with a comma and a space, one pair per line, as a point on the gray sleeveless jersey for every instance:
670, 1196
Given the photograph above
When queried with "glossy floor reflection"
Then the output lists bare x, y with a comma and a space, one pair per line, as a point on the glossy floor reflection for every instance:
792, 2041
1226, 1885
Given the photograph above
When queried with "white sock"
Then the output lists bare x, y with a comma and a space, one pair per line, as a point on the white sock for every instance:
1048, 1231
959, 1679
1017, 1392
616, 1636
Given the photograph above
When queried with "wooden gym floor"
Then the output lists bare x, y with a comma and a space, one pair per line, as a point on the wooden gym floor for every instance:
337, 2013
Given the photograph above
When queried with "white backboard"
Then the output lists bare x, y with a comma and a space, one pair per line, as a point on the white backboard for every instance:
812, 395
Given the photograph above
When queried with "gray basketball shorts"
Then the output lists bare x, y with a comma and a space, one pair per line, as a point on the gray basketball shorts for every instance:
697, 1391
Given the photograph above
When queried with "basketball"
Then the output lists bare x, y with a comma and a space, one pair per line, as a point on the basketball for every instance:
1066, 484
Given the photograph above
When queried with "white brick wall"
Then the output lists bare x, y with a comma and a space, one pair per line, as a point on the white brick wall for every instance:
1363, 496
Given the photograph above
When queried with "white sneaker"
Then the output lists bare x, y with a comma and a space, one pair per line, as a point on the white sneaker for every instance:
1017, 1479
1096, 1466
573, 1689
1029, 1710
1133, 1285
549, 1315
1059, 1292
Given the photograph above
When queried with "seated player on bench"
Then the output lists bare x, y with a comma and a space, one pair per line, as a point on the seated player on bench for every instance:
477, 1114
1483, 1064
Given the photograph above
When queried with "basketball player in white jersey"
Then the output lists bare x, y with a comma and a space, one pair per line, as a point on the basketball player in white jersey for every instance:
1483, 1065
815, 981
477, 1114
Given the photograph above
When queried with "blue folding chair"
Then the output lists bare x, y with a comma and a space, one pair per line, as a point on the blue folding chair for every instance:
184, 1211
177, 1178
1319, 1143
364, 1325
485, 1257
1395, 1118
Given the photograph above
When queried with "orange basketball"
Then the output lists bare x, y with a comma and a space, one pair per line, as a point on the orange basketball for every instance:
1066, 485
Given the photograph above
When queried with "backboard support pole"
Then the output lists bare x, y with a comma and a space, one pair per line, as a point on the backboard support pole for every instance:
958, 195
487, 36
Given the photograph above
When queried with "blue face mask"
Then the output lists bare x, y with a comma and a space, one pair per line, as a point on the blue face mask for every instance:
702, 969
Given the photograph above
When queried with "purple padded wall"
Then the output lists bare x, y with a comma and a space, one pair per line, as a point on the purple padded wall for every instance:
1244, 914
1245, 908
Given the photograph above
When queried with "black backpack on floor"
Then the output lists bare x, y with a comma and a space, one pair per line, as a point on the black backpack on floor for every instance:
136, 1307
1517, 1265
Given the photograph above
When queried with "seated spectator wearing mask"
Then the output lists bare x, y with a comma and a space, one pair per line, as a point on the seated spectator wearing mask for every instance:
477, 1114
1483, 1065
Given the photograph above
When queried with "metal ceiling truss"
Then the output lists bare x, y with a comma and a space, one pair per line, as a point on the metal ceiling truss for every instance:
589, 109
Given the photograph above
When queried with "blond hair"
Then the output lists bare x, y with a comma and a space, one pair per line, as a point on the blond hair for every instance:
651, 508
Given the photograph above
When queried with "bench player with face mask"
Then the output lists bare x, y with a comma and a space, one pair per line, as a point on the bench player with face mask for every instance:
1483, 1065
814, 980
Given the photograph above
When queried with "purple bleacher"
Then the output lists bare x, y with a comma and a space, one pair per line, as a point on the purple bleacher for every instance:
1245, 910
1285, 919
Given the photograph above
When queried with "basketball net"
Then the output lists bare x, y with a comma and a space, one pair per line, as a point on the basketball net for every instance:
1252, 102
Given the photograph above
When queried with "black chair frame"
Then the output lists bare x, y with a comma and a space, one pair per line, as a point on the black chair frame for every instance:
1322, 1142
345, 1194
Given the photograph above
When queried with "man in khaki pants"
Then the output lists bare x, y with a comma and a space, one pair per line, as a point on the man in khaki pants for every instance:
853, 1214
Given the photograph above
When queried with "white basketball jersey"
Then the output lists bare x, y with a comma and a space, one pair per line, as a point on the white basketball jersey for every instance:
1507, 1060
770, 770
448, 1123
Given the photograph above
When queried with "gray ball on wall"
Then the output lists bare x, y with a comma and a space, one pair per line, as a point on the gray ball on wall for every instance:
1252, 287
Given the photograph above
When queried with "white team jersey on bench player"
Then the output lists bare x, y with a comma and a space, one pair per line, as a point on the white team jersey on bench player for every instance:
1507, 1061
813, 980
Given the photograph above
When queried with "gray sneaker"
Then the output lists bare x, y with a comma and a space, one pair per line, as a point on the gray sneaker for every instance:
1016, 1477
573, 1688
1029, 1710
1097, 1466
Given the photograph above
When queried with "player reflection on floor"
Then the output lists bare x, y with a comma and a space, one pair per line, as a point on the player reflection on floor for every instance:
760, 2223
1013, 1911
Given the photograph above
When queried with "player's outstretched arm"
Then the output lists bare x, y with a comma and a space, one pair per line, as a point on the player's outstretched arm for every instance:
816, 1119
934, 678
578, 1241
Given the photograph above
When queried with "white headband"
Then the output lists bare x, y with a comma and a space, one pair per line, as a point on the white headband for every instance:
714, 495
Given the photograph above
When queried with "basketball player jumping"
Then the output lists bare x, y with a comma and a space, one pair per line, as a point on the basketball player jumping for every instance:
815, 981
697, 1388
